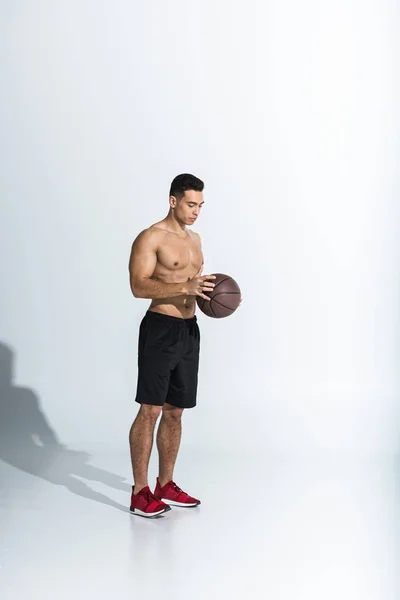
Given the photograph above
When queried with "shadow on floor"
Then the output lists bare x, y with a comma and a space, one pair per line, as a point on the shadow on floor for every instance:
28, 443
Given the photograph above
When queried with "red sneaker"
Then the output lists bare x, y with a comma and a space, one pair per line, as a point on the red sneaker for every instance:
173, 495
145, 504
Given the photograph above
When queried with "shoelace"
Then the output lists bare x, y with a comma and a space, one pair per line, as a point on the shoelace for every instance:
150, 497
177, 489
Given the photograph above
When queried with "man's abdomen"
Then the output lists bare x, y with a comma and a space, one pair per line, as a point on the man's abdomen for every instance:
183, 308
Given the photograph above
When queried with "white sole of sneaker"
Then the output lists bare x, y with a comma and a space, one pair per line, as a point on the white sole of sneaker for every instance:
140, 513
181, 504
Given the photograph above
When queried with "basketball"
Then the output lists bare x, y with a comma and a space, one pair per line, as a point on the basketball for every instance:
225, 297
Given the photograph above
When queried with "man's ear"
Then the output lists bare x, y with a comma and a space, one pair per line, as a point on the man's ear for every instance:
172, 201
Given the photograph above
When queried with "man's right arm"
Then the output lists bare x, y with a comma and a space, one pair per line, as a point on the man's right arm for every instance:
142, 263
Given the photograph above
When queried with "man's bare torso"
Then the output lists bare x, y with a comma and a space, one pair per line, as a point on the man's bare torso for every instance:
179, 259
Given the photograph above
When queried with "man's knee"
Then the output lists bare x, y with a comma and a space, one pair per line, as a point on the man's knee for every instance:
171, 412
148, 411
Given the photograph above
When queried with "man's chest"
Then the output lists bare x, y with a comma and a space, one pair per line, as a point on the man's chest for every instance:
177, 255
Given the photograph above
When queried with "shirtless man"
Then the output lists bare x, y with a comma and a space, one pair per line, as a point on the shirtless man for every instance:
165, 266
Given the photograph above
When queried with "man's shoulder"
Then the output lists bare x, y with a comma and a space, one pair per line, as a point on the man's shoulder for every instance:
156, 232
195, 236
158, 228
149, 235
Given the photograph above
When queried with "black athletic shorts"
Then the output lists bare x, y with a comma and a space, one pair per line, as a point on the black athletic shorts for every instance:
168, 362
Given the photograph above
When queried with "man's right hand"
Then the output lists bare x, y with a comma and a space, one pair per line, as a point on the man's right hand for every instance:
199, 285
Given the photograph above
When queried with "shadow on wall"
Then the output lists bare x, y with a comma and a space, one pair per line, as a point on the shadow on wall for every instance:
28, 443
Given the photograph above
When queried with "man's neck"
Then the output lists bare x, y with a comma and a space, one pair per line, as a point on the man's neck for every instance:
174, 225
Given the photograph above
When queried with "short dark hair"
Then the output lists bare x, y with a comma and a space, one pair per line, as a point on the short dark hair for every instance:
183, 183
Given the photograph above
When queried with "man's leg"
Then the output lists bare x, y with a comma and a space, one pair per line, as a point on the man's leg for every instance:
168, 441
141, 438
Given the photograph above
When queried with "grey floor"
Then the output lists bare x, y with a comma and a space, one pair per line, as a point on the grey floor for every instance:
277, 527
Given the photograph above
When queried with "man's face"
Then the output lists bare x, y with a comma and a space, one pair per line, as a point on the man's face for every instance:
187, 209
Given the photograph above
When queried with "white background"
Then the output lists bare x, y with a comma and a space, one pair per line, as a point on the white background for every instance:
289, 113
